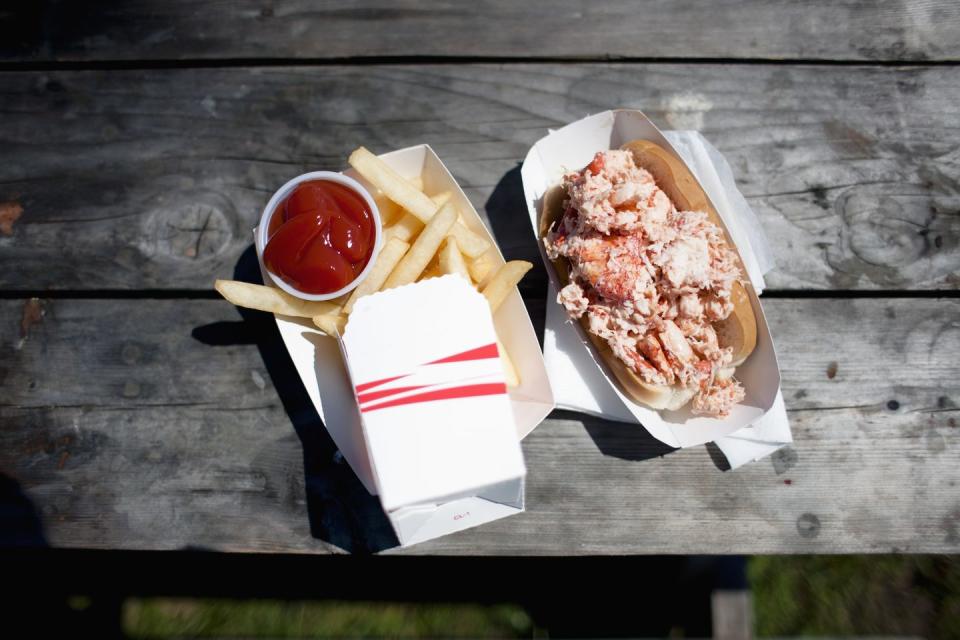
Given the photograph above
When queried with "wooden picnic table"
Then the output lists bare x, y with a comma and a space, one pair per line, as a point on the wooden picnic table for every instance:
139, 142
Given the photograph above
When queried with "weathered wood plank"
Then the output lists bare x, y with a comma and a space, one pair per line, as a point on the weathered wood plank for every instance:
171, 433
731, 613
184, 29
153, 179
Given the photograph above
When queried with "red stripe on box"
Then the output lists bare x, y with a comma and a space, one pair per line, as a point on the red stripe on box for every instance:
480, 353
376, 383
465, 391
374, 395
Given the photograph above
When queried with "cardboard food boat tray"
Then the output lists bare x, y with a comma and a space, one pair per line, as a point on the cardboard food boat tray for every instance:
573, 147
320, 363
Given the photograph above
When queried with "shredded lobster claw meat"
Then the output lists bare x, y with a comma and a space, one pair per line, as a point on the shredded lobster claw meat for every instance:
650, 279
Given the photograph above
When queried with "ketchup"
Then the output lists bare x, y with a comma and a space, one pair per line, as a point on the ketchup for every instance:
320, 237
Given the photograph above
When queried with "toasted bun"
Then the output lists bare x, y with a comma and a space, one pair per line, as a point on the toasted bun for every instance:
738, 331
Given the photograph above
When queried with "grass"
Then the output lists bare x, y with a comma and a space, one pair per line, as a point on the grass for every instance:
856, 595
793, 596
210, 618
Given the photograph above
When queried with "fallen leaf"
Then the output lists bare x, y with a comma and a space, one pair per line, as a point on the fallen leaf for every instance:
10, 212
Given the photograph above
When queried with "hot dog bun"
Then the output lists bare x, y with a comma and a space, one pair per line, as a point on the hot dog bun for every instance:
738, 331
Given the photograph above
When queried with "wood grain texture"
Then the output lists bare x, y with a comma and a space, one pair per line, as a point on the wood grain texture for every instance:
152, 179
185, 29
172, 433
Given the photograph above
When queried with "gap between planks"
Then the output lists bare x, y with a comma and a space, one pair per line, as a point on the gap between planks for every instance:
359, 61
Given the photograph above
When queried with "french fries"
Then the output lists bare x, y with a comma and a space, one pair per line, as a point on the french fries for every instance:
441, 198
401, 191
257, 296
482, 267
426, 244
390, 255
390, 211
433, 271
331, 325
451, 260
503, 282
406, 228
405, 194
424, 236
326, 315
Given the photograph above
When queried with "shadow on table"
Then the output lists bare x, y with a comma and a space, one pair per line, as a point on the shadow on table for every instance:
510, 223
618, 439
20, 523
340, 509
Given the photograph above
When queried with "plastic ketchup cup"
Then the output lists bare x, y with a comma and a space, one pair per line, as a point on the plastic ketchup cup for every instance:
319, 235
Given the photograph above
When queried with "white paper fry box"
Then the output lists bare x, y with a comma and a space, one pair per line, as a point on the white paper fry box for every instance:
320, 365
570, 149
436, 416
